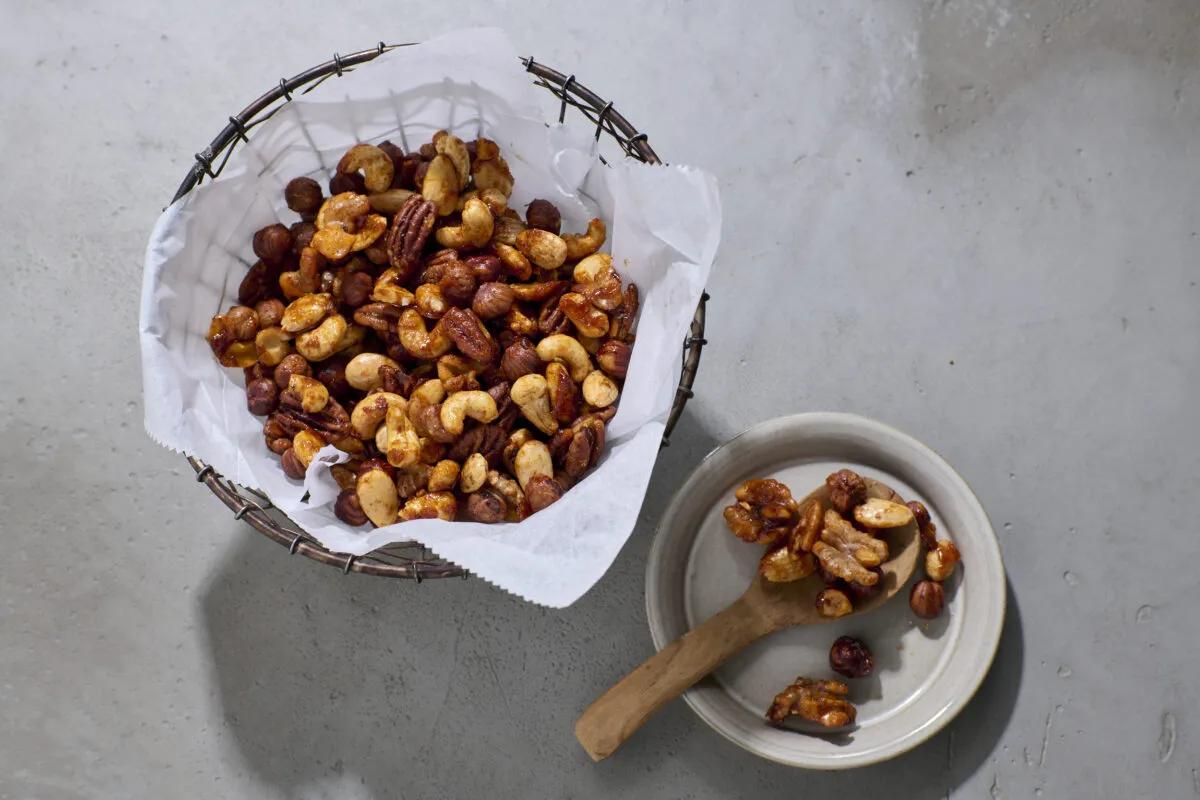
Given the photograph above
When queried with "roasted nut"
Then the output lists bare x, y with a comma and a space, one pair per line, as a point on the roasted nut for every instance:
431, 392
538, 291
474, 231
377, 497
532, 396
541, 491
371, 411
427, 421
833, 603
292, 364
269, 312
377, 168
579, 447
520, 358
307, 312
613, 358
599, 390
440, 185
262, 396
473, 473
532, 459
243, 322
544, 215
486, 505
484, 267
477, 405
430, 302
453, 148
356, 289
842, 565
272, 243
860, 592
345, 475
822, 702
470, 336
389, 201
379, 317
332, 422
348, 509
492, 173
940, 561
623, 318
306, 445
343, 183
781, 565
517, 322
306, 279
435, 505
564, 394
224, 344
543, 248
312, 393
492, 300
419, 341
272, 345
508, 488
924, 524
303, 195
401, 445
443, 476
808, 529
324, 340
560, 347
291, 463
259, 283
927, 599
865, 548
850, 657
348, 444
506, 228
847, 489
452, 365
580, 245
458, 283
516, 440
410, 230
879, 513
388, 289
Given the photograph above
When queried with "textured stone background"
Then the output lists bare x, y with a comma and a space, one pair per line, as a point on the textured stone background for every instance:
974, 220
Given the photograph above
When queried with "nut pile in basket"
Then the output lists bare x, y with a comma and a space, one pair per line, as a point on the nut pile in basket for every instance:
466, 359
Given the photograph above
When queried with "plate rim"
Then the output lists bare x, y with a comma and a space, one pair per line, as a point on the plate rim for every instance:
991, 543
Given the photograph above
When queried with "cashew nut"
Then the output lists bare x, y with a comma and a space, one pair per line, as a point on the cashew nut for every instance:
306, 444
388, 289
377, 496
440, 186
599, 390
362, 372
430, 392
306, 312
473, 473
419, 341
533, 459
532, 396
493, 173
322, 341
366, 417
475, 404
452, 365
430, 301
568, 350
403, 444
389, 201
435, 505
494, 199
513, 260
376, 166
343, 212
515, 441
587, 319
592, 268
351, 341
475, 230
272, 344
542, 248
455, 149
443, 476
312, 393
584, 244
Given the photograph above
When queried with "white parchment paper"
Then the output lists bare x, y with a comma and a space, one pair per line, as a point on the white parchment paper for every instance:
664, 225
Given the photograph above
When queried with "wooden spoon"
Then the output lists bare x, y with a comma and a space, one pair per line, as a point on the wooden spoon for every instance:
763, 609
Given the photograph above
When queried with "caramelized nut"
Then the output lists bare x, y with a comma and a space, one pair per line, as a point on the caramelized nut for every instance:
833, 603
940, 561
879, 513
850, 657
926, 599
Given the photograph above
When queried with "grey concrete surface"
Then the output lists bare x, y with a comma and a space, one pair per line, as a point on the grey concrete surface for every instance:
974, 220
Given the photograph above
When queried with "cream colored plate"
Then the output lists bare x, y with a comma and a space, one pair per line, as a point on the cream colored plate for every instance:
925, 671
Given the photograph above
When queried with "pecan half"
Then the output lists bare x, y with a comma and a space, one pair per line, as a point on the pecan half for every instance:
380, 317
622, 319
469, 335
332, 421
410, 230
551, 319
488, 440
538, 292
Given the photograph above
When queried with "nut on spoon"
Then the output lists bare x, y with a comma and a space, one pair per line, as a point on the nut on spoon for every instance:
764, 608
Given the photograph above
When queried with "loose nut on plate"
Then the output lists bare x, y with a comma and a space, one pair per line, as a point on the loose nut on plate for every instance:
306, 312
532, 396
927, 599
475, 229
863, 547
580, 245
924, 523
324, 340
879, 513
305, 445
312, 393
473, 473
599, 390
851, 657
375, 165
833, 603
940, 561
477, 405
377, 497
564, 348
823, 702
543, 248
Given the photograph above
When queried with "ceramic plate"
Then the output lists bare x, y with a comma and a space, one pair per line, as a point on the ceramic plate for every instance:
925, 671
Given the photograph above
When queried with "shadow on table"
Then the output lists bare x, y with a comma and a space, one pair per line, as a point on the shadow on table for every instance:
445, 688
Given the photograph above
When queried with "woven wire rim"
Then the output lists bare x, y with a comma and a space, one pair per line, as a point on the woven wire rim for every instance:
405, 559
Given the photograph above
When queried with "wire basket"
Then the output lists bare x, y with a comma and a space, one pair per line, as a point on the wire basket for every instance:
406, 559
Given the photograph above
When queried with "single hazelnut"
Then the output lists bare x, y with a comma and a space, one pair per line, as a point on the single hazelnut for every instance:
544, 215
303, 195
613, 358
244, 322
272, 243
486, 506
279, 446
347, 182
492, 300
302, 234
270, 312
926, 599
292, 467
292, 364
356, 289
847, 489
332, 373
485, 267
541, 491
348, 509
262, 396
850, 657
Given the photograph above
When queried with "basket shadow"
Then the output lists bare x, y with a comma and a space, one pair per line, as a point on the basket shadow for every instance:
325, 678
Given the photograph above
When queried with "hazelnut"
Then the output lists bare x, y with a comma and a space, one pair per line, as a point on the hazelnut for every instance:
302, 234
850, 657
244, 322
520, 358
343, 182
356, 289
940, 561
457, 283
348, 509
492, 300
392, 151
861, 592
292, 466
292, 364
846, 490
544, 215
428, 151
279, 446
419, 173
485, 267
303, 195
377, 463
613, 358
833, 603
924, 523
541, 491
272, 243
262, 396
256, 371
927, 599
333, 374
270, 312
485, 506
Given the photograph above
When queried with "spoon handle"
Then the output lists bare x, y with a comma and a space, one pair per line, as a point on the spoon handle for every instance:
620, 711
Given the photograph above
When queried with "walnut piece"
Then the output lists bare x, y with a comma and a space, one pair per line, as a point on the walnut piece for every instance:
865, 548
822, 702
765, 512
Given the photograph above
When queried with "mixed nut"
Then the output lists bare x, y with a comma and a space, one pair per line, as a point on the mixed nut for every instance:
467, 360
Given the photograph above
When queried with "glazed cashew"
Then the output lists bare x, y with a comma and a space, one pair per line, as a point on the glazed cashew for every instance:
312, 393
587, 319
568, 350
366, 417
599, 283
599, 390
532, 396
493, 173
403, 444
475, 230
584, 244
388, 289
515, 441
435, 505
377, 496
345, 224
440, 186
344, 212
306, 312
272, 344
430, 301
443, 476
455, 149
375, 165
476, 404
351, 341
362, 372
542, 248
532, 459
431, 392
322, 341
494, 199
419, 341
389, 201
306, 444
473, 473
592, 268
515, 263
